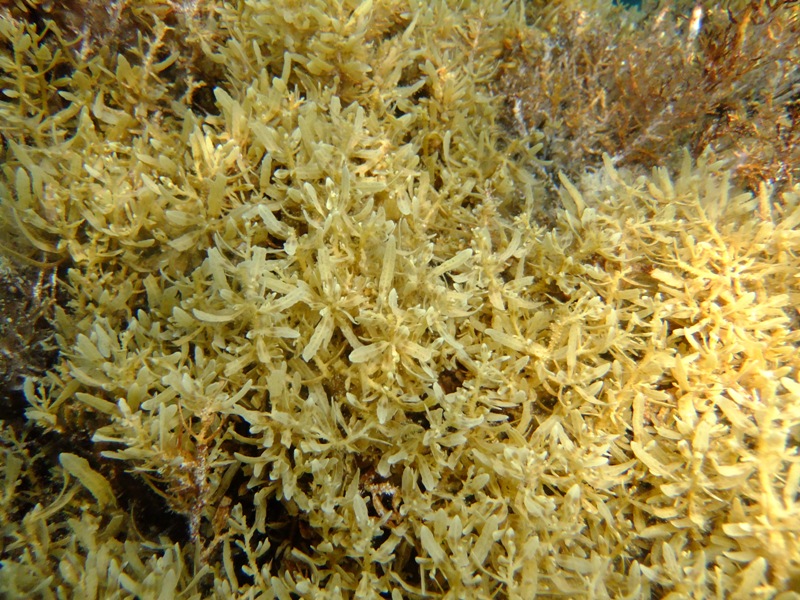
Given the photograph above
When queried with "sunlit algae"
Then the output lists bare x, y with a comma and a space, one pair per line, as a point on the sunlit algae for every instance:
404, 299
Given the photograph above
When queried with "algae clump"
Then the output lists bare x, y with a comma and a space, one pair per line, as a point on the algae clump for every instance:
326, 288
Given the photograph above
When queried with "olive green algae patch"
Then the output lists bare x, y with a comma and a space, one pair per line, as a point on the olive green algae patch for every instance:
324, 323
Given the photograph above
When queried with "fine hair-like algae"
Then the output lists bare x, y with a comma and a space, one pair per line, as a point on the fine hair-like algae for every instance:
400, 300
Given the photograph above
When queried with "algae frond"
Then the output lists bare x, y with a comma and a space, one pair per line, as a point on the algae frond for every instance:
399, 299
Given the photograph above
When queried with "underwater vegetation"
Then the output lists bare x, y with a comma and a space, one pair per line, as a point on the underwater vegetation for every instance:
399, 299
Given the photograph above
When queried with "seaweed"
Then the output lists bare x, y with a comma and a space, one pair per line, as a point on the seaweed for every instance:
396, 299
